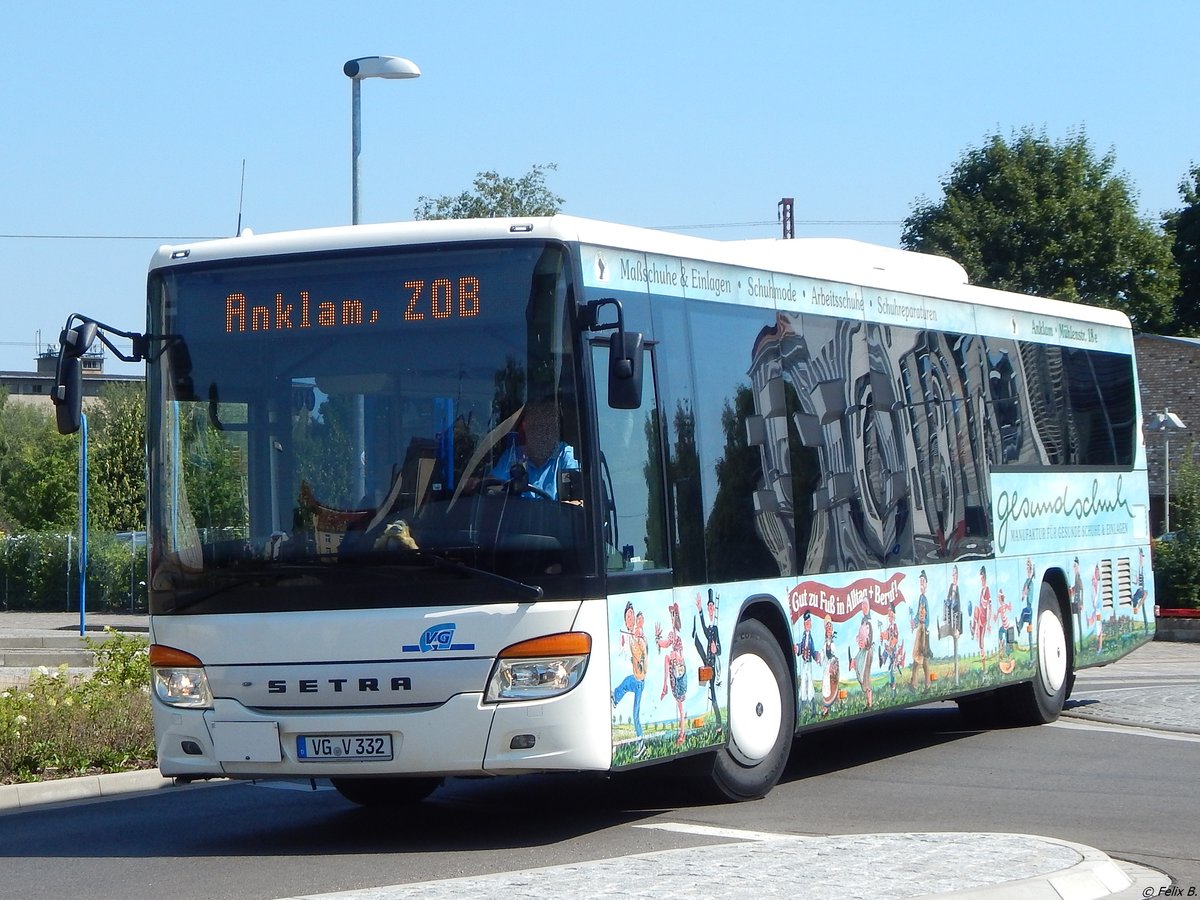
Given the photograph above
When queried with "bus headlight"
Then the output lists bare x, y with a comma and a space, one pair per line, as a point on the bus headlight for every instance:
539, 668
179, 678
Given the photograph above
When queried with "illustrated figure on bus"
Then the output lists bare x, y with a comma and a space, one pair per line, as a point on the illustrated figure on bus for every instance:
980, 618
1025, 621
1097, 614
1138, 600
951, 623
633, 642
860, 663
809, 656
919, 623
832, 675
891, 651
674, 667
1004, 659
709, 647
1077, 601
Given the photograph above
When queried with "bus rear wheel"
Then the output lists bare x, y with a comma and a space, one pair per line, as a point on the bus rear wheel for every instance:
762, 716
1041, 700
386, 792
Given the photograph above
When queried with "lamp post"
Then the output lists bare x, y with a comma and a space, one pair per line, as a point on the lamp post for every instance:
1166, 422
356, 70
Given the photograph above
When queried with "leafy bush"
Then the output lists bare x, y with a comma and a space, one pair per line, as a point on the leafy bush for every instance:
1177, 572
40, 571
58, 725
1177, 562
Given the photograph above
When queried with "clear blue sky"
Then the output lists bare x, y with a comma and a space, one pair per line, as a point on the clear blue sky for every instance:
125, 124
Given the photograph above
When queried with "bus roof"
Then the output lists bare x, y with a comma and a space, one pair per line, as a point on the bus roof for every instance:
830, 259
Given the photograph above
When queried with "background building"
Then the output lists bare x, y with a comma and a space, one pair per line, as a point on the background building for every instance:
34, 387
1169, 372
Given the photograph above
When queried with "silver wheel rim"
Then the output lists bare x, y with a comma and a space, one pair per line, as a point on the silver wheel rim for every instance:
1052, 652
755, 708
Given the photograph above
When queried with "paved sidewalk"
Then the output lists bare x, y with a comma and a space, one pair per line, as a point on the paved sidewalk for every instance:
29, 640
866, 866
1157, 686
1165, 696
40, 623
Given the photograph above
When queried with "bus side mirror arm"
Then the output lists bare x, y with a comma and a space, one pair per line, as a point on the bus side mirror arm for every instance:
625, 353
74, 341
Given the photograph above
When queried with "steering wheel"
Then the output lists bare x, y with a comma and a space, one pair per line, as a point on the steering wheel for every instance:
493, 486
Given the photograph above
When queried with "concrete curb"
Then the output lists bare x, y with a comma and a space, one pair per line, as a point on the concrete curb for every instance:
766, 862
22, 797
1094, 876
1126, 722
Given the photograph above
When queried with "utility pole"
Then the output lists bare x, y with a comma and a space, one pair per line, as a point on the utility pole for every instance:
787, 215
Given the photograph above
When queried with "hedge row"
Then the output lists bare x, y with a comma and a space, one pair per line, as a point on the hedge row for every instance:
41, 572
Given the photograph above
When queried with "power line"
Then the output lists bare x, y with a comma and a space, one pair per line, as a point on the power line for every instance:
840, 223
774, 224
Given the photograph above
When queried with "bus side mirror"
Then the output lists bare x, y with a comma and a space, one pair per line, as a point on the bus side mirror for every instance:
625, 352
68, 395
75, 342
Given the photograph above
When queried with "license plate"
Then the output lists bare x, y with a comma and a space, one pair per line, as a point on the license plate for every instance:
344, 747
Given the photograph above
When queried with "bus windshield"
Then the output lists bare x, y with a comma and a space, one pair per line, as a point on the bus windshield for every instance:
406, 418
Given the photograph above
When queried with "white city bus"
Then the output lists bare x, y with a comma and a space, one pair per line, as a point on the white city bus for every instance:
525, 495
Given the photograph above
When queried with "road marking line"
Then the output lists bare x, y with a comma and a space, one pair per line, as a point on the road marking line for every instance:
1081, 725
711, 831
1076, 695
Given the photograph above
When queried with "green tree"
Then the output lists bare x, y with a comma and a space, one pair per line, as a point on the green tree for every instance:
117, 459
1050, 219
1177, 562
1183, 228
38, 471
495, 195
42, 491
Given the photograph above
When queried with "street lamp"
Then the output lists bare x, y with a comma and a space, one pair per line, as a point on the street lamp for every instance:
356, 70
1166, 422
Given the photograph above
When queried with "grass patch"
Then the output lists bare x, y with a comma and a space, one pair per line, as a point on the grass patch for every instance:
61, 726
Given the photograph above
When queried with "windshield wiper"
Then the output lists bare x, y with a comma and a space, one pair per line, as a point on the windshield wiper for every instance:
438, 561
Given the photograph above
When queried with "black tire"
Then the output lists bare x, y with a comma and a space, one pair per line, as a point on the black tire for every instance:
762, 716
1041, 700
386, 792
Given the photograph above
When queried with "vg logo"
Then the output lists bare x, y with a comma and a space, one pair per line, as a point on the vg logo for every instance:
437, 638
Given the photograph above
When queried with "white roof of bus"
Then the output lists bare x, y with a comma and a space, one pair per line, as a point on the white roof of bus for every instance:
828, 259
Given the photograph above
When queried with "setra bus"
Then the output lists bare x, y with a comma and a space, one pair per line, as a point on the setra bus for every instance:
525, 495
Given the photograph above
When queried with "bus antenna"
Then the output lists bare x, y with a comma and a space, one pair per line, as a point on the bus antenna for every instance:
241, 197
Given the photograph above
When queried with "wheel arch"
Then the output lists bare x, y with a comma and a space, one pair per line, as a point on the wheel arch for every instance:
1057, 579
766, 609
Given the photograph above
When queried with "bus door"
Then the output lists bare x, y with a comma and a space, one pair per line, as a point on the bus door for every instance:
637, 563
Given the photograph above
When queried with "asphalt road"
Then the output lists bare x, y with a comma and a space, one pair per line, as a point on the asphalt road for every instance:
1130, 792
1125, 791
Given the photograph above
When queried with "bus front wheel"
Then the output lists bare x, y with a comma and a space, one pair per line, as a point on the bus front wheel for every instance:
762, 716
1040, 701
